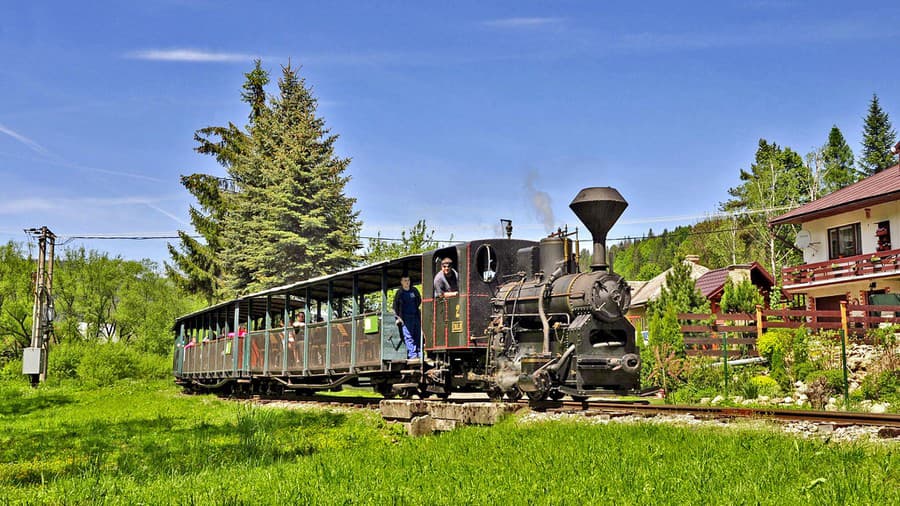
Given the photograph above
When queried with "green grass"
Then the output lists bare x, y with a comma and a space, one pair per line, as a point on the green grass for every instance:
147, 443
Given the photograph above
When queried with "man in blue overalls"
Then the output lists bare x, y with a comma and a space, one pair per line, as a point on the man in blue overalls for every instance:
406, 308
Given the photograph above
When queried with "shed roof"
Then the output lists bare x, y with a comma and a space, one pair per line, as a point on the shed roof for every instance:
713, 282
875, 189
650, 290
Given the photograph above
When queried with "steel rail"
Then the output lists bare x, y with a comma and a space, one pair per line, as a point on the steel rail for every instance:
623, 408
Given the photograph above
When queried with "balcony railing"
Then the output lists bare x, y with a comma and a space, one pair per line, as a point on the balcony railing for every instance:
843, 269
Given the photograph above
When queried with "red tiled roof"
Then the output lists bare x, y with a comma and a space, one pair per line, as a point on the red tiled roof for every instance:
875, 189
713, 281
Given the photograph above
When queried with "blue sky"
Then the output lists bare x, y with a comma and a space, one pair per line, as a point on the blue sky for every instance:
460, 113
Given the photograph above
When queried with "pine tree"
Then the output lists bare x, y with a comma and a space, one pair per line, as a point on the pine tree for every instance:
878, 137
838, 160
292, 220
197, 265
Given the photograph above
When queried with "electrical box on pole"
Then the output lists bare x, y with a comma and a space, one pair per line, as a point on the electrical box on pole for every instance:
34, 358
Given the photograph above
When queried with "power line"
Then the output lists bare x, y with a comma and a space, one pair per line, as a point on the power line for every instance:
173, 235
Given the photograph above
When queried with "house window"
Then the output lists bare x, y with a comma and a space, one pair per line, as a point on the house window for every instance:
844, 241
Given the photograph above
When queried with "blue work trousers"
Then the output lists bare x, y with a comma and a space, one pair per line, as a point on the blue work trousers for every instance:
412, 333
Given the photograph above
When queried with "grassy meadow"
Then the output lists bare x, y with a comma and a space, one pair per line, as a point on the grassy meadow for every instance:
145, 442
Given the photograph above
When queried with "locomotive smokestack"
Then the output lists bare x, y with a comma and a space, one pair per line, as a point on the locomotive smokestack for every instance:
599, 208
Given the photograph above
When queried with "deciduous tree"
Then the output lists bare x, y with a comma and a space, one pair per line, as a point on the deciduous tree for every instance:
776, 182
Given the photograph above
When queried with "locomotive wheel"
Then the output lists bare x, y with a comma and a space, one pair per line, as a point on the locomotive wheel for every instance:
537, 395
495, 394
579, 398
556, 395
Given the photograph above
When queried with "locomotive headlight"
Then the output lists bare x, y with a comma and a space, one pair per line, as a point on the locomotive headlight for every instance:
610, 297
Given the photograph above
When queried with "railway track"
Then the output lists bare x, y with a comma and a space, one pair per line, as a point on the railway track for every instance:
643, 408
838, 418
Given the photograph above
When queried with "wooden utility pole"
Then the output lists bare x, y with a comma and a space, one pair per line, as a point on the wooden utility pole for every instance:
34, 359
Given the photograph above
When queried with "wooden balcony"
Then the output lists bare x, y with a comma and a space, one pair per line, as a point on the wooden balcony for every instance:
866, 266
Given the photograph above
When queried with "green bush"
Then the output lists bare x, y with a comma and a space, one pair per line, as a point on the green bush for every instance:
881, 386
765, 386
771, 344
64, 358
803, 369
153, 366
702, 375
108, 363
12, 371
832, 378
884, 337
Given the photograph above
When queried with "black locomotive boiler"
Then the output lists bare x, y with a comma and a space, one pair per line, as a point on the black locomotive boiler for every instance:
540, 327
525, 321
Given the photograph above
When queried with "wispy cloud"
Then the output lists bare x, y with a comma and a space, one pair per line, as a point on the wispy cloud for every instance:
753, 35
166, 213
189, 55
37, 148
535, 22
36, 204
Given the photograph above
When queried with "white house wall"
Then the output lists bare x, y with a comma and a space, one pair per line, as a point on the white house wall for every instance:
818, 230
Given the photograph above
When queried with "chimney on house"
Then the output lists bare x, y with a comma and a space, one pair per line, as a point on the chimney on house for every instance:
694, 259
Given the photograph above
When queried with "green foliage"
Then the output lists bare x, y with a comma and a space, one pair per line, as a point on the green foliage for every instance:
838, 161
16, 300
741, 297
664, 329
777, 180
102, 364
701, 379
197, 266
765, 385
107, 363
882, 385
884, 337
63, 359
11, 371
878, 137
416, 240
290, 202
647, 258
787, 351
832, 378
772, 344
680, 292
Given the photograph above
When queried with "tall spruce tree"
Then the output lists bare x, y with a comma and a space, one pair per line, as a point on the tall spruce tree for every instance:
878, 137
291, 219
197, 266
838, 159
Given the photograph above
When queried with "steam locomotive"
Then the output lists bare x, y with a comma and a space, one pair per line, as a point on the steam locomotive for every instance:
524, 322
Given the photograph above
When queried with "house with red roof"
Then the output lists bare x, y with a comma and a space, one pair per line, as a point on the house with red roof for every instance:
712, 284
851, 245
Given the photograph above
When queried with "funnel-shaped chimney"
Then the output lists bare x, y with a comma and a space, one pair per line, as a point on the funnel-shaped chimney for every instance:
599, 208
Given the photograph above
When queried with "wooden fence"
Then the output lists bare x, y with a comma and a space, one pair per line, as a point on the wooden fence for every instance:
734, 334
